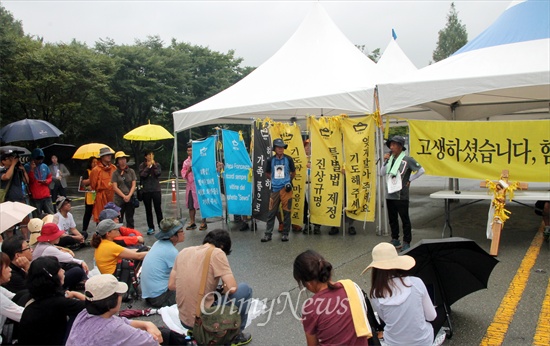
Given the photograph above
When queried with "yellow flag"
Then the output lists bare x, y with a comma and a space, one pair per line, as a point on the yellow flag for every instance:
326, 180
291, 135
478, 149
360, 167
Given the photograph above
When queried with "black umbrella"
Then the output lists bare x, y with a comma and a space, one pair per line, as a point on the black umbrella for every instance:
15, 149
451, 268
28, 130
64, 152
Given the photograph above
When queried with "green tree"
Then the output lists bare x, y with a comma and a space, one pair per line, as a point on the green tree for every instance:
452, 37
374, 55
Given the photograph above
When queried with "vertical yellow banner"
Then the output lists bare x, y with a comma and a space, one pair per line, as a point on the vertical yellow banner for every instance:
292, 136
360, 167
327, 185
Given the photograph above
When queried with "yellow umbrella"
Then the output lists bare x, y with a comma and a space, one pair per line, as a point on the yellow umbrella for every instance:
148, 133
88, 150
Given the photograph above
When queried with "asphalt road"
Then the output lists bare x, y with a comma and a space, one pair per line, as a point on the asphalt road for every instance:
509, 308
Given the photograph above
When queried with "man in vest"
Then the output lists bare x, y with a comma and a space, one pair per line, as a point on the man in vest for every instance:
280, 169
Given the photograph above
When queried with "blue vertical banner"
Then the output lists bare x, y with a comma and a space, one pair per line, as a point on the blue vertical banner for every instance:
207, 180
237, 174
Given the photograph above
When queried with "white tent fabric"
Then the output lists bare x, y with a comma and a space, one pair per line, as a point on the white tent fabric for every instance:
318, 71
394, 62
506, 69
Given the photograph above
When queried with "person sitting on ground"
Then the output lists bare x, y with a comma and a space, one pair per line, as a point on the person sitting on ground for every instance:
8, 308
20, 255
108, 253
185, 280
401, 301
129, 237
72, 237
99, 324
321, 325
158, 264
48, 317
76, 270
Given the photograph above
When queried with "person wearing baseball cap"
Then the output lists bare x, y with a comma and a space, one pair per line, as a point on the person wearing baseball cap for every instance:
100, 181
400, 170
158, 264
129, 237
73, 238
40, 178
401, 301
108, 252
281, 170
99, 323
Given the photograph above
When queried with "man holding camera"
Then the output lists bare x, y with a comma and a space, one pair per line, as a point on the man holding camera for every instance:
280, 169
12, 177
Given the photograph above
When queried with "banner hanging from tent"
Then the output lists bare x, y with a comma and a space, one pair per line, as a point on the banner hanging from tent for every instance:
207, 180
237, 174
292, 136
326, 181
360, 167
261, 151
477, 150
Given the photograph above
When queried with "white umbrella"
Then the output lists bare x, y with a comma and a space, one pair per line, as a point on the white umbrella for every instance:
12, 213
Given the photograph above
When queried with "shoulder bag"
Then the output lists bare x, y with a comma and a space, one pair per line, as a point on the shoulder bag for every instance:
4, 192
216, 325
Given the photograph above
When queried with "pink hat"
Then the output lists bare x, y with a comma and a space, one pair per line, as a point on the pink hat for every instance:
50, 232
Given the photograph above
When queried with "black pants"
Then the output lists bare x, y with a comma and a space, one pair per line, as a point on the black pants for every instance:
88, 209
401, 208
150, 200
58, 190
127, 209
71, 242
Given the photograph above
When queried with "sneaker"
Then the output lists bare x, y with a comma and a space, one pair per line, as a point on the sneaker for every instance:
244, 227
317, 229
241, 339
266, 238
296, 228
281, 227
203, 227
191, 226
395, 242
406, 246
150, 231
333, 231
352, 231
284, 238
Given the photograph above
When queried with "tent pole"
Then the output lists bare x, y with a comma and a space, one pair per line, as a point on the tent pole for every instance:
178, 210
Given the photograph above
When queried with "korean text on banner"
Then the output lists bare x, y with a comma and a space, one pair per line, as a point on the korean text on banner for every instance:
360, 168
327, 184
292, 136
238, 185
261, 152
206, 177
478, 150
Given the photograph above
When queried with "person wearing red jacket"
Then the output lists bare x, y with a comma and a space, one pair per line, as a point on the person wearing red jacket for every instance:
40, 178
129, 237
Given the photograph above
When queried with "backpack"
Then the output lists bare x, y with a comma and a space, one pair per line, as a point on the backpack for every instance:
126, 272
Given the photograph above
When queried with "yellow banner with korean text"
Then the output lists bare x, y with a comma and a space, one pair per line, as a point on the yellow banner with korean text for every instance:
481, 150
326, 180
360, 167
291, 135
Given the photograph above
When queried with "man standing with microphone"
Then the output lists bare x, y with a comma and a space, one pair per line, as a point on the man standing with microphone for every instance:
399, 169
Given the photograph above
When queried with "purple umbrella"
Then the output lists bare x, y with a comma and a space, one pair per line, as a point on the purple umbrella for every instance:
28, 130
129, 313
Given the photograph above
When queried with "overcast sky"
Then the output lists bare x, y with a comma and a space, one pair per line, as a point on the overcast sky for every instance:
254, 29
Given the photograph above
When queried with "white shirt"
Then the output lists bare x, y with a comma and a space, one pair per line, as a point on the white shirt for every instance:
8, 309
65, 223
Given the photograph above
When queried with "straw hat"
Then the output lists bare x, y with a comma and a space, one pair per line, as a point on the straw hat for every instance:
34, 226
384, 256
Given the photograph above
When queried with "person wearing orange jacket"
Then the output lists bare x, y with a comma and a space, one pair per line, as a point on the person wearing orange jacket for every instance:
100, 181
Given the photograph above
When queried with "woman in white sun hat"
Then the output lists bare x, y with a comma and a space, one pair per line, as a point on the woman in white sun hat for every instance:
401, 301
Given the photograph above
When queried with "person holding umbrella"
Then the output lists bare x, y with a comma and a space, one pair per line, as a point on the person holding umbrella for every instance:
100, 181
401, 301
123, 181
40, 178
149, 173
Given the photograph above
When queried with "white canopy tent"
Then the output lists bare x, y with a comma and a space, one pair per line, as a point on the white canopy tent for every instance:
505, 70
318, 71
394, 62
